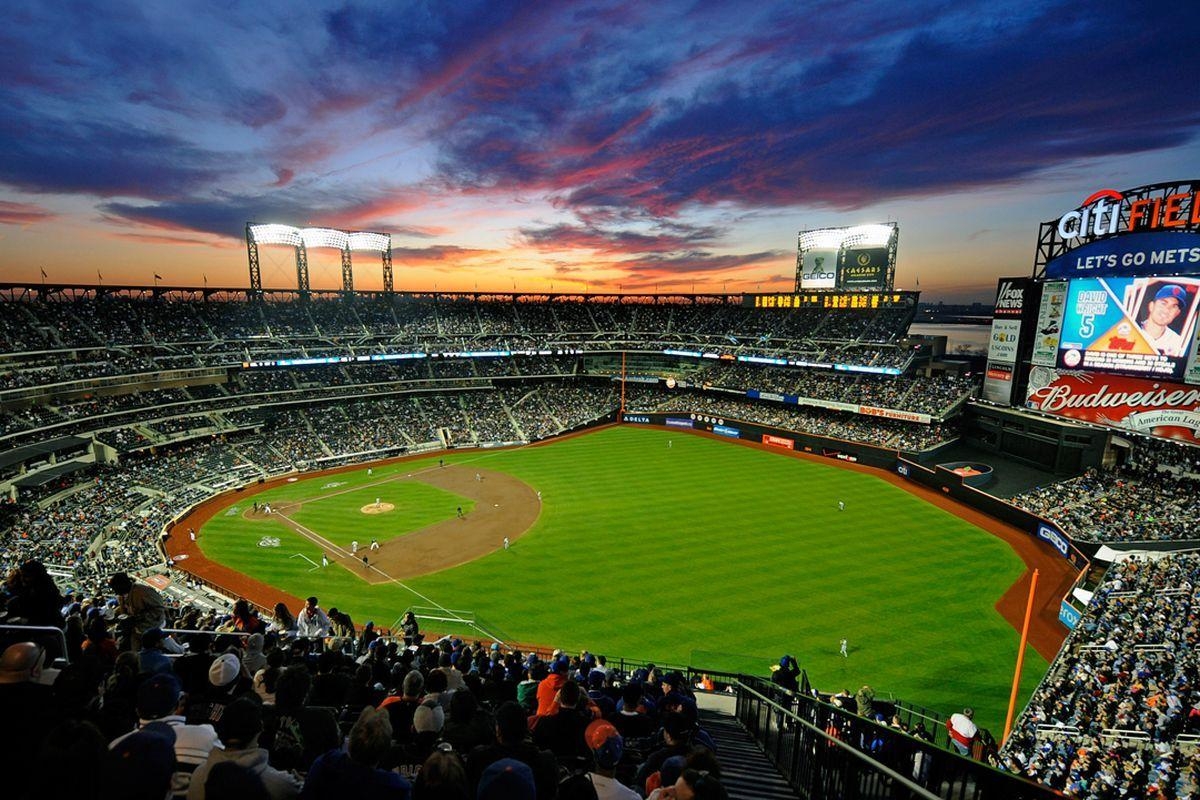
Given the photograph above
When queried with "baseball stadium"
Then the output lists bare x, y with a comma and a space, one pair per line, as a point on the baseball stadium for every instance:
796, 540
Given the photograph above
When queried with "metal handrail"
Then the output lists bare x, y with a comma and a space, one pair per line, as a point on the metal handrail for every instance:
57, 634
832, 741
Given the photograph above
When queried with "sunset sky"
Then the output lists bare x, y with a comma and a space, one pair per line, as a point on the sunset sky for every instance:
596, 146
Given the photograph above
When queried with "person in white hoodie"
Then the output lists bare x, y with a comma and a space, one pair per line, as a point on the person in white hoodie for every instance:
160, 699
240, 727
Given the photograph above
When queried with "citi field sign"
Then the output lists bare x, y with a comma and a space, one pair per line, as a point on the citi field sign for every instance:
1152, 230
1101, 214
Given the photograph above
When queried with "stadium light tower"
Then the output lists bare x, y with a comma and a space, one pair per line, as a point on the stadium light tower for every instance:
301, 239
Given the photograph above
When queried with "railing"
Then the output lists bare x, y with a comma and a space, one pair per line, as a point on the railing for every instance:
823, 751
52, 639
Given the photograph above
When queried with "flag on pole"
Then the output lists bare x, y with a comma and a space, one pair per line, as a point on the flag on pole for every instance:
157, 277
44, 275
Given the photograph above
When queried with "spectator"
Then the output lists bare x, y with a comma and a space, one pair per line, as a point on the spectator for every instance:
161, 702
607, 746
354, 772
142, 766
513, 743
312, 622
963, 731
239, 728
141, 603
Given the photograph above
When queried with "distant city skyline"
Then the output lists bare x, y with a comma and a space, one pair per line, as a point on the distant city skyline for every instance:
603, 146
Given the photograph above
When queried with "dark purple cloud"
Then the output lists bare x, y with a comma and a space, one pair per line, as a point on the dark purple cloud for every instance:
626, 115
667, 239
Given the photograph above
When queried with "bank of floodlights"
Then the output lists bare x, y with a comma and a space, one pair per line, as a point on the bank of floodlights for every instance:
836, 241
304, 239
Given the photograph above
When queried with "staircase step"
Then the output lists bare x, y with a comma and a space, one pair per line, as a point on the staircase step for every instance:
746, 772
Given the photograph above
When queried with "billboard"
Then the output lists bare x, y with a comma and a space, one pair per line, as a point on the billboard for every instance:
1132, 326
1005, 342
857, 258
1049, 324
864, 268
1152, 407
819, 269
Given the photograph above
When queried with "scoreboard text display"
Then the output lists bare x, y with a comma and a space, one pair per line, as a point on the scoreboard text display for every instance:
831, 300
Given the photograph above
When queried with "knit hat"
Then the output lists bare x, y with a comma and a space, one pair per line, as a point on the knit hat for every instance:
224, 670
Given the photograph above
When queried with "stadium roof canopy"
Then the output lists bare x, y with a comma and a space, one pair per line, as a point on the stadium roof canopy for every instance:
28, 453
44, 476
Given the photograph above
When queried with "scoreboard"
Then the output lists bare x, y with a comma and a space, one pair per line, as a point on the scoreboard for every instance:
832, 300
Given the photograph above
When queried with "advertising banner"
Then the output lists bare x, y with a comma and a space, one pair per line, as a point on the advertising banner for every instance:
1006, 335
1134, 326
998, 383
1140, 254
818, 269
725, 430
778, 441
675, 422
1054, 538
1068, 615
1010, 297
1152, 407
892, 413
864, 268
1049, 324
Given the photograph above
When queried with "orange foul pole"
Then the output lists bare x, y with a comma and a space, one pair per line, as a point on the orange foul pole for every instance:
1012, 698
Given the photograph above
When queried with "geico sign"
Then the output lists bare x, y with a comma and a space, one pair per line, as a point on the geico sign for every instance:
1100, 214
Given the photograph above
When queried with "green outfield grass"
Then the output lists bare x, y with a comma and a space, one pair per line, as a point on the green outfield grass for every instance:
660, 545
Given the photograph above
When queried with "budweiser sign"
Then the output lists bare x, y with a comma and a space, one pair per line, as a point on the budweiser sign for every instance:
1158, 408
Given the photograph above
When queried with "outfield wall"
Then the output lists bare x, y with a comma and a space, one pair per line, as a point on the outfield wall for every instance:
855, 452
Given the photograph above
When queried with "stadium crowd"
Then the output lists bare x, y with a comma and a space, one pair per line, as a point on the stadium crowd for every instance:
156, 701
64, 339
1150, 498
1117, 715
887, 433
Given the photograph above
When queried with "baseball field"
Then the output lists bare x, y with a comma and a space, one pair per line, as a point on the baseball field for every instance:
654, 545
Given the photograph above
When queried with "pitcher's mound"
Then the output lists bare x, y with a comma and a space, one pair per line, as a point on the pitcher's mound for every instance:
381, 508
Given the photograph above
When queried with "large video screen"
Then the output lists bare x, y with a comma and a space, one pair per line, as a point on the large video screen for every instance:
1130, 326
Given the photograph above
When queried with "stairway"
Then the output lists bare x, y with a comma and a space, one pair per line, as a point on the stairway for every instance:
746, 773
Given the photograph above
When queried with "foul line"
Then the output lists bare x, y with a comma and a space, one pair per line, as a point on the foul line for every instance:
316, 538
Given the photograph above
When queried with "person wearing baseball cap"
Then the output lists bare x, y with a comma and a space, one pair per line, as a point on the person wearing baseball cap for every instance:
1169, 302
607, 746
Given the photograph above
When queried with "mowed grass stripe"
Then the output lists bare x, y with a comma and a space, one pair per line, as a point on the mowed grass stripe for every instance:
649, 550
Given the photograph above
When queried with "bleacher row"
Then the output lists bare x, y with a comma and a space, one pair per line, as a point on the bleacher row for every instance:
1151, 498
116, 335
1118, 713
163, 702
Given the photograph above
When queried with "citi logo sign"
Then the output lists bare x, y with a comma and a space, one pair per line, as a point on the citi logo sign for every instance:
1100, 214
